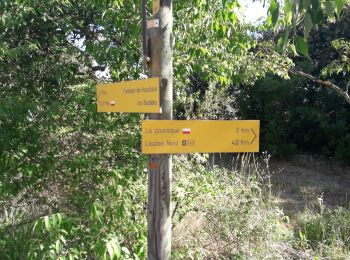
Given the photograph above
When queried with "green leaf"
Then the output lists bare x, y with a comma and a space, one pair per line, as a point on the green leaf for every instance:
293, 49
302, 46
217, 26
283, 39
47, 223
315, 10
59, 218
305, 4
288, 14
37, 225
233, 18
110, 250
116, 248
307, 25
224, 29
330, 9
315, 4
274, 11
125, 250
339, 5
54, 220
58, 246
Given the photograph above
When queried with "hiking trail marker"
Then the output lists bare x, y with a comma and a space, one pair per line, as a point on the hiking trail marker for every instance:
186, 136
161, 136
136, 96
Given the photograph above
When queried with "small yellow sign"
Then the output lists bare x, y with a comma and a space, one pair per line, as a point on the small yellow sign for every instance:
183, 136
156, 6
137, 96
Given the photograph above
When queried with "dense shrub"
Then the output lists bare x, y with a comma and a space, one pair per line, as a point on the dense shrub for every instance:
297, 117
72, 182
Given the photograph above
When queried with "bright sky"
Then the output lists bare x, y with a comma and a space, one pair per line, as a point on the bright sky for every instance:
254, 10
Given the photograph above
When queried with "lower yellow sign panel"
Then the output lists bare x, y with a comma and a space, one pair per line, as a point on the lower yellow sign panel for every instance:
183, 136
137, 96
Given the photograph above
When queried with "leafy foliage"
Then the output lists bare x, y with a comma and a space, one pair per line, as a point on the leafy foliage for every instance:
292, 15
342, 64
71, 180
297, 116
76, 178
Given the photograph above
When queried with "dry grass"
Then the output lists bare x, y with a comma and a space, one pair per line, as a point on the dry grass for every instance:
253, 211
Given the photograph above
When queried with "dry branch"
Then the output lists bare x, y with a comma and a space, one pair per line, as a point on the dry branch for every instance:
327, 84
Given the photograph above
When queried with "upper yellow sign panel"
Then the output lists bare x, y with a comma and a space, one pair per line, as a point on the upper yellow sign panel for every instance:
156, 6
182, 136
137, 96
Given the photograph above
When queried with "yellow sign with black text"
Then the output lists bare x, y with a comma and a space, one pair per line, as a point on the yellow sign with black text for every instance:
137, 96
184, 136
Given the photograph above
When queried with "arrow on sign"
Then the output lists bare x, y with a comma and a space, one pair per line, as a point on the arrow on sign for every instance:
192, 136
254, 136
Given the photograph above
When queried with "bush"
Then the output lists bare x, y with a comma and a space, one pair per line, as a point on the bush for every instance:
222, 214
225, 214
71, 180
297, 117
327, 232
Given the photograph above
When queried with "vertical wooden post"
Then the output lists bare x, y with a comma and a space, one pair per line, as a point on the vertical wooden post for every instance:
160, 166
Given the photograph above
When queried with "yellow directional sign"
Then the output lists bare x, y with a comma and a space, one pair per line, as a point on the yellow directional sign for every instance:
137, 96
183, 136
156, 6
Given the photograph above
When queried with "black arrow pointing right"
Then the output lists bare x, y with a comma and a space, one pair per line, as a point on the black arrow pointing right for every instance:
254, 136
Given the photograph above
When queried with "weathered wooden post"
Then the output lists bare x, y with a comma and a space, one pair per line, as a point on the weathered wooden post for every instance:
160, 166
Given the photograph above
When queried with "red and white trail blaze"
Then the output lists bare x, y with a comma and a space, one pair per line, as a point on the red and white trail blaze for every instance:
186, 130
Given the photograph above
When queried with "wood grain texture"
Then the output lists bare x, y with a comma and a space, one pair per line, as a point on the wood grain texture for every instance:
159, 178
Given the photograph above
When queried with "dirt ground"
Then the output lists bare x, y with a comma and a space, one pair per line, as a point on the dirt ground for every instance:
298, 184
306, 183
302, 182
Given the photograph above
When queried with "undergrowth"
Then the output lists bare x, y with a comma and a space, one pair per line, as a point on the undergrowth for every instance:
91, 203
232, 214
326, 233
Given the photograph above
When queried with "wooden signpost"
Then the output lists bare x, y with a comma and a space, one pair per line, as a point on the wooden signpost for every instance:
137, 96
184, 136
160, 42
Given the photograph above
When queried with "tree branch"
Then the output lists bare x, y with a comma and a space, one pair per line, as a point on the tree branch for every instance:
327, 84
